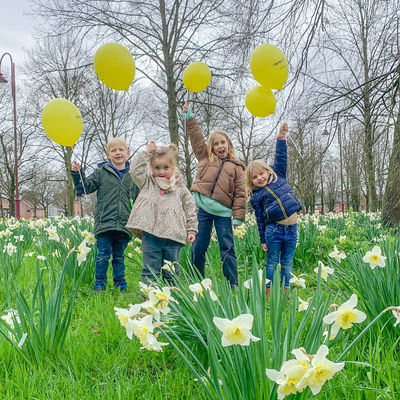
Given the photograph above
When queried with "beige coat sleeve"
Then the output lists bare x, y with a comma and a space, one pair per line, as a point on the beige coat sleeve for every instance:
239, 196
190, 210
197, 140
139, 168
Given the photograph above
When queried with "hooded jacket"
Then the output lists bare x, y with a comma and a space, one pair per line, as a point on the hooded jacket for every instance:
276, 201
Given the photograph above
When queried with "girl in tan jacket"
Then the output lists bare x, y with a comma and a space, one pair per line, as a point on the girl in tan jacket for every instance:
218, 191
164, 213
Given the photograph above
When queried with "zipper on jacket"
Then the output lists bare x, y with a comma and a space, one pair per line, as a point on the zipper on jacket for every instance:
266, 212
278, 200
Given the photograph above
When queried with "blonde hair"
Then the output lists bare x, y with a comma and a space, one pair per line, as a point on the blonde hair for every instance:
257, 167
169, 152
116, 141
211, 155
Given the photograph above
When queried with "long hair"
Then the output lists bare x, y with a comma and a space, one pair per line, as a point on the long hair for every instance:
211, 155
169, 152
257, 167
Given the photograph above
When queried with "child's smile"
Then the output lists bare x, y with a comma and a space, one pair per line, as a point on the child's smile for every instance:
260, 179
220, 146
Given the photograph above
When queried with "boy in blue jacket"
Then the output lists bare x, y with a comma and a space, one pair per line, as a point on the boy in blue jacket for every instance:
276, 208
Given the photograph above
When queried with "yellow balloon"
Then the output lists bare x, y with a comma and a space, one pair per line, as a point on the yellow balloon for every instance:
114, 65
269, 66
196, 77
260, 101
62, 121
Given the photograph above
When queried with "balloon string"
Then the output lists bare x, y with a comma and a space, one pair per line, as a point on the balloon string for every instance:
83, 184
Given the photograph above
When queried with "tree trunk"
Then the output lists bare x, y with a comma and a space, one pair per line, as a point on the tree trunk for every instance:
391, 200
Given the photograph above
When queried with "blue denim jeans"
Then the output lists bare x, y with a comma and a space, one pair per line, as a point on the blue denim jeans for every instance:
111, 242
281, 244
155, 251
223, 227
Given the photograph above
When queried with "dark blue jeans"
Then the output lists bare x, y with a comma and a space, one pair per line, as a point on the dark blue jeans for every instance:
281, 245
155, 251
111, 242
223, 227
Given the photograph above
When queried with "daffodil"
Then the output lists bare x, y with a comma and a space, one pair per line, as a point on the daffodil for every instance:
249, 283
124, 315
150, 309
138, 250
90, 239
153, 344
290, 374
396, 314
141, 328
342, 238
298, 282
375, 258
325, 270
337, 255
82, 252
303, 306
10, 317
160, 299
322, 228
321, 371
345, 316
145, 289
41, 257
197, 289
168, 266
236, 331
10, 249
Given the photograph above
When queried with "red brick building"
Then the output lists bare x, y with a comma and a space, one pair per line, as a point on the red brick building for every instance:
26, 209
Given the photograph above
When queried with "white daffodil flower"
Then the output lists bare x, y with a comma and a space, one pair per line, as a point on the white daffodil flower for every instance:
298, 282
345, 316
41, 257
396, 314
124, 315
141, 328
168, 266
337, 255
145, 289
236, 331
10, 249
375, 258
149, 308
82, 252
331, 336
342, 238
322, 228
161, 298
303, 306
290, 374
90, 239
10, 317
138, 250
153, 344
321, 370
325, 271
197, 289
249, 283
137, 240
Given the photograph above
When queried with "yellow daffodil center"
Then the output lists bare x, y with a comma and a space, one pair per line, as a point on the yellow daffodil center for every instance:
235, 335
289, 387
374, 258
141, 334
346, 318
320, 375
123, 319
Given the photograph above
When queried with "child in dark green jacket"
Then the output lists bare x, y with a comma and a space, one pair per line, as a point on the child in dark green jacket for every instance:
116, 193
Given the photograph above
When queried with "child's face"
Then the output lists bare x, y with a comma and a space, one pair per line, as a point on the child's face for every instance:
118, 154
260, 179
162, 168
220, 146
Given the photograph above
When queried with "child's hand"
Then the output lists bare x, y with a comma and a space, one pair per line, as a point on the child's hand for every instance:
75, 167
191, 237
283, 130
264, 246
151, 147
185, 107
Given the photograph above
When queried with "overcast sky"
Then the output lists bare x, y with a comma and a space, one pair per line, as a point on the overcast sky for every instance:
16, 29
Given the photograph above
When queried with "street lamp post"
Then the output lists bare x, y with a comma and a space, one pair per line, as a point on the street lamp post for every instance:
13, 92
326, 133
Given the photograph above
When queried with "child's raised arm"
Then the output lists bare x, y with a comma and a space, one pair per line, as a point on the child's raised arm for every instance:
138, 170
196, 136
280, 162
